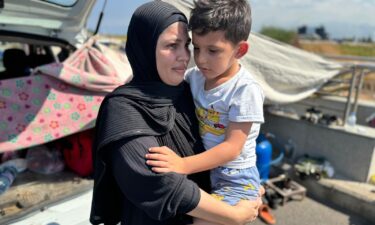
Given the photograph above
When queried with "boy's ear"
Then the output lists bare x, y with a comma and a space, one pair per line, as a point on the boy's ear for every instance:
243, 47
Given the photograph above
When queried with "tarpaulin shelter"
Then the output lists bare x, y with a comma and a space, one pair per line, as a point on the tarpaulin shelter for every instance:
287, 74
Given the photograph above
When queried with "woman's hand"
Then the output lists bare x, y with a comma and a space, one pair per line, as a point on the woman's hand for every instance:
215, 211
248, 210
164, 160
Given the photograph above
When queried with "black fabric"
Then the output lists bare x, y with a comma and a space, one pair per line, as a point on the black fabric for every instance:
145, 108
134, 110
154, 199
183, 138
146, 24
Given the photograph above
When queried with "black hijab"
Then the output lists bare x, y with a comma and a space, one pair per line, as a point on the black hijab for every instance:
146, 25
146, 97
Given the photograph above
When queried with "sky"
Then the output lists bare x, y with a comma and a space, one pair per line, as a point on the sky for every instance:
341, 18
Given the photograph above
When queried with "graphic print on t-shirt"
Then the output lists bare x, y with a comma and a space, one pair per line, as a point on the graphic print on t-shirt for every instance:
209, 121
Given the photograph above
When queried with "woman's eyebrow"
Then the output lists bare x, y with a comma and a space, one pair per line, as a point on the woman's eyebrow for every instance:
178, 40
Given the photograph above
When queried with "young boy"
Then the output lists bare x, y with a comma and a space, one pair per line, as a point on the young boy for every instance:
229, 103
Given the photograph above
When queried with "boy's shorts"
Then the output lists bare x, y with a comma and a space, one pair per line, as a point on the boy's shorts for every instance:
232, 185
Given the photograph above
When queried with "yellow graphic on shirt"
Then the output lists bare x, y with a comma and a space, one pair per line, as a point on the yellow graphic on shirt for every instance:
209, 122
249, 186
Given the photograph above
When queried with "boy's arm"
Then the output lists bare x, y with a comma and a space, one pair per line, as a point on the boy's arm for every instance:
162, 159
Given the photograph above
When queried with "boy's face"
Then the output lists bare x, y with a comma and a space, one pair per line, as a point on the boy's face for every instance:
215, 56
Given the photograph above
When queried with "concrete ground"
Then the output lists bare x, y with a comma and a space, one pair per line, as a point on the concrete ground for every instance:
329, 202
308, 211
356, 198
313, 212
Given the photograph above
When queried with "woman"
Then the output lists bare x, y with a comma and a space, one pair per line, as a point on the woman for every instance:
154, 109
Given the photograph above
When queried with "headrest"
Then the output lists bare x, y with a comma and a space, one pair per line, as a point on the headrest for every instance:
14, 58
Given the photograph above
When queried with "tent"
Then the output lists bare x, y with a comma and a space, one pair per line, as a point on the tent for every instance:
286, 74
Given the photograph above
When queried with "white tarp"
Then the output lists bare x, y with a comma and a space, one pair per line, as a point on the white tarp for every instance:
287, 74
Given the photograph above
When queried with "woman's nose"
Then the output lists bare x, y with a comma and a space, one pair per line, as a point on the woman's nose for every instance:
184, 55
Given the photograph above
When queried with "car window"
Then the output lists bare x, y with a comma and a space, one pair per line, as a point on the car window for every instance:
20, 59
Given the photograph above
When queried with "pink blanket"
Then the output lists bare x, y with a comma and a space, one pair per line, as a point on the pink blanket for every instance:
59, 99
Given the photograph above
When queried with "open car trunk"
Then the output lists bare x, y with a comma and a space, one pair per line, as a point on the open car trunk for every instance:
63, 94
50, 91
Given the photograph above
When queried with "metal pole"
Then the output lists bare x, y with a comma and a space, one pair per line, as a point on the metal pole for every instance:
358, 90
100, 18
348, 102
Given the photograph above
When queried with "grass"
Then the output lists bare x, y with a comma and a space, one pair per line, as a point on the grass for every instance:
320, 47
331, 48
358, 50
286, 36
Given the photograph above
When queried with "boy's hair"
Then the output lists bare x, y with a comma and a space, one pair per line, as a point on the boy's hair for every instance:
231, 16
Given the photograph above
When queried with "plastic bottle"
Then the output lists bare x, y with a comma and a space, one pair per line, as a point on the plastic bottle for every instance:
7, 176
352, 119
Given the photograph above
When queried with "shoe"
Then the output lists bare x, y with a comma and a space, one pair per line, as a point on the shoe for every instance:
265, 214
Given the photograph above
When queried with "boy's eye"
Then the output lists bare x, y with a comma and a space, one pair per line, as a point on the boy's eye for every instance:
213, 50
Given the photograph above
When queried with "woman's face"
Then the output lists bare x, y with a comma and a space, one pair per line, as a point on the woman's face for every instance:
172, 53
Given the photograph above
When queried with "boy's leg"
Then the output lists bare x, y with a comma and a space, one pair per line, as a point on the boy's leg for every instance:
233, 185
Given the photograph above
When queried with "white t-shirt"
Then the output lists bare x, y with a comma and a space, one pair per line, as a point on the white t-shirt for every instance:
239, 99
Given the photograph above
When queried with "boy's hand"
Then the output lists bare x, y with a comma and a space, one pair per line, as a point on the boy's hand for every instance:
164, 160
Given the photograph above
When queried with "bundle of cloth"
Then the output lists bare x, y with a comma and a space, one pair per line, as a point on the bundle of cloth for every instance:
59, 99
